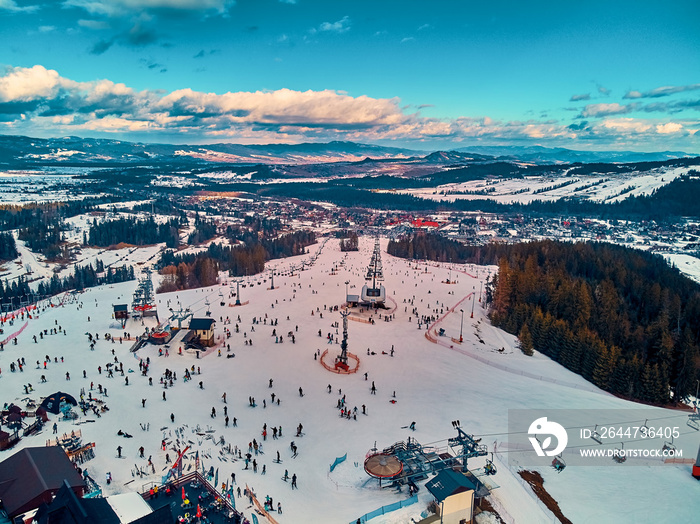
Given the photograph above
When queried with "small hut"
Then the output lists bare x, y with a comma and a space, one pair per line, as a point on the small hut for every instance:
454, 493
121, 311
203, 330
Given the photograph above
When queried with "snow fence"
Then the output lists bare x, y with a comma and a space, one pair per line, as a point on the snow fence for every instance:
387, 509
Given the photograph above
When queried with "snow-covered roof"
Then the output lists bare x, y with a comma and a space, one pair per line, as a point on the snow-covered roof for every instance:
129, 507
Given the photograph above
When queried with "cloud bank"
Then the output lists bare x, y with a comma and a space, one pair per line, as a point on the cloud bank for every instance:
39, 101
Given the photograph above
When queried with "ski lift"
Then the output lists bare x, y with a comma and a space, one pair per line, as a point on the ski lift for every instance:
490, 468
558, 463
694, 421
669, 446
596, 435
620, 456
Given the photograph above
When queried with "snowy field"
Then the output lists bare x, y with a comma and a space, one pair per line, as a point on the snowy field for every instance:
434, 385
605, 188
22, 187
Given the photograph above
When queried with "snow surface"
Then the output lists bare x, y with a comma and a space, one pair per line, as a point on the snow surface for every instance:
434, 384
607, 187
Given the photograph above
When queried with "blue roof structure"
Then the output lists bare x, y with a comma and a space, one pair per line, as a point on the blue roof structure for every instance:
448, 482
201, 324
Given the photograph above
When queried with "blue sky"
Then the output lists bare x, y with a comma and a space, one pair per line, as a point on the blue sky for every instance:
599, 75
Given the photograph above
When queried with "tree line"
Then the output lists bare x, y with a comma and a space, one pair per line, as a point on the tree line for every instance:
622, 318
203, 230
8, 248
132, 230
351, 243
189, 270
82, 277
46, 237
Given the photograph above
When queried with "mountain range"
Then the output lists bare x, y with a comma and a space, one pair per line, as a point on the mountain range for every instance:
21, 152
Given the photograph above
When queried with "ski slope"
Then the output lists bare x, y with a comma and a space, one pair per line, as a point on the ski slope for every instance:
434, 384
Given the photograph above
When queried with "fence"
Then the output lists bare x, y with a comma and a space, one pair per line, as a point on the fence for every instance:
387, 509
337, 461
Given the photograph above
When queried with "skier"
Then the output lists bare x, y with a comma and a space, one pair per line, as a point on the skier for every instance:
294, 481
119, 451
412, 427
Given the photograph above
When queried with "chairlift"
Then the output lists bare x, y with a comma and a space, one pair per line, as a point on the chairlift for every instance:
669, 446
620, 456
694, 421
490, 468
558, 463
596, 435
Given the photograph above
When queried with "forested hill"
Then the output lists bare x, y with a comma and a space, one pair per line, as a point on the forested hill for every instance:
622, 318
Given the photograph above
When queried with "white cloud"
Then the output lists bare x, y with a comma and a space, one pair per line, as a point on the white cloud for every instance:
11, 5
46, 28
123, 7
668, 128
662, 91
598, 110
26, 84
627, 125
578, 98
93, 24
38, 100
633, 94
341, 26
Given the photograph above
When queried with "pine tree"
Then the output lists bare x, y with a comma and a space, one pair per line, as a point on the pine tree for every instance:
526, 341
604, 367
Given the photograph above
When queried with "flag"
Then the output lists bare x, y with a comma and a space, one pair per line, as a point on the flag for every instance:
216, 479
183, 493
199, 512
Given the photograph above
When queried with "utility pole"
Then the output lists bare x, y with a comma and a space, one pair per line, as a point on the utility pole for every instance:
461, 325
